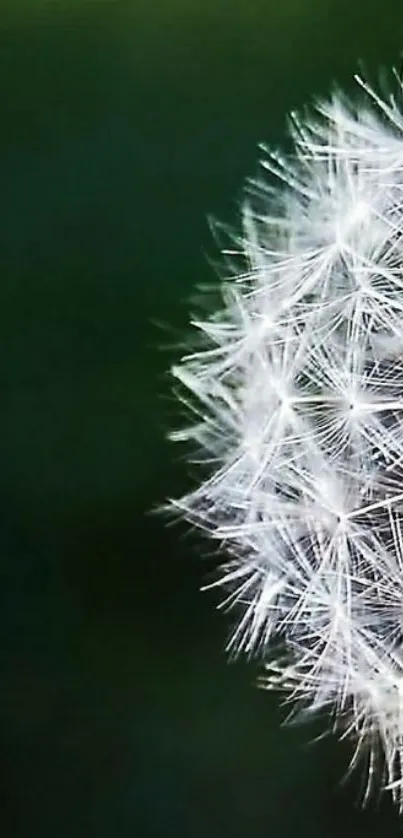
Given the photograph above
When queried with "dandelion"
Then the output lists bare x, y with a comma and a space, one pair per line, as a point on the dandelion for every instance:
296, 400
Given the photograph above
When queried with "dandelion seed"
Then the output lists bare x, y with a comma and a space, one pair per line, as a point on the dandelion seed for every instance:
297, 399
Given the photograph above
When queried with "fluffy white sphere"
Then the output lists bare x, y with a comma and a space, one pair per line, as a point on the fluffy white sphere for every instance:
296, 397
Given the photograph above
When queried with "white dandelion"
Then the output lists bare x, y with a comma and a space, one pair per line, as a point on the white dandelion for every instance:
296, 401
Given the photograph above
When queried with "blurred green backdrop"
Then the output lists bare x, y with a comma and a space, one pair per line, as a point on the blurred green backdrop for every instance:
123, 123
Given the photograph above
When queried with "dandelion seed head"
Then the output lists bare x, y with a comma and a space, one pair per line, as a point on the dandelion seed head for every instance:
295, 397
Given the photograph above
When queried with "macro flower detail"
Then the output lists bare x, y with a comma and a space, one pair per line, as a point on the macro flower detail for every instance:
295, 398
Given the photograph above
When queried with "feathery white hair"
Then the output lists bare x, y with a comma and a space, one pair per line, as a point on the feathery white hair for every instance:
297, 391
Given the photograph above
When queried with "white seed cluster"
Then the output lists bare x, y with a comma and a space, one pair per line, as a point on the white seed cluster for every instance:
296, 399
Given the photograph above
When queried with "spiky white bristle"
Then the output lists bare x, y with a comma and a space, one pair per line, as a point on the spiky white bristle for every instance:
298, 397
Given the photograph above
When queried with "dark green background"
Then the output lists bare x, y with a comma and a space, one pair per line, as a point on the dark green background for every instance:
123, 124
